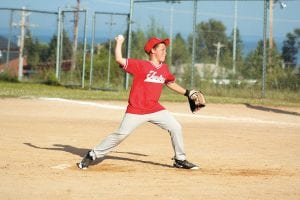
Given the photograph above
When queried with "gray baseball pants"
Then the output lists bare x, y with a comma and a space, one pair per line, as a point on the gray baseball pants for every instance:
131, 121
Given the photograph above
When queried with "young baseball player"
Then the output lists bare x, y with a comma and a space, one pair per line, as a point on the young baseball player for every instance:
149, 77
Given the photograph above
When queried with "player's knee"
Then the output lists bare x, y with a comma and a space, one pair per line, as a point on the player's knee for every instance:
176, 128
121, 135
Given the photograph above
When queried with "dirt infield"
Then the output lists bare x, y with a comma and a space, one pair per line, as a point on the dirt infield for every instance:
245, 152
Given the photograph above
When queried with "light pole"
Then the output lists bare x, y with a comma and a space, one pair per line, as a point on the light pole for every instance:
282, 5
271, 5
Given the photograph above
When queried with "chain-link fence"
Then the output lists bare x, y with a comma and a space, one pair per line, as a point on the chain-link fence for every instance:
211, 48
24, 40
75, 47
104, 72
71, 61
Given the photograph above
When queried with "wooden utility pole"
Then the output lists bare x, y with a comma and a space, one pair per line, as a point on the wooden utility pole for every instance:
271, 3
21, 45
219, 46
21, 40
75, 36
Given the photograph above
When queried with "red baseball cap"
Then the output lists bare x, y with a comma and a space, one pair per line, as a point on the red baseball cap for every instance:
154, 41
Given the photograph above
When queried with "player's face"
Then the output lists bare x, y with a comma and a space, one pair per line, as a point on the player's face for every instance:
160, 52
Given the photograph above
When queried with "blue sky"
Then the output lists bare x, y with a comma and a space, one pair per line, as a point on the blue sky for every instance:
250, 14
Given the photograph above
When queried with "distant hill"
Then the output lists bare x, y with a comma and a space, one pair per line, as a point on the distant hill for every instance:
4, 42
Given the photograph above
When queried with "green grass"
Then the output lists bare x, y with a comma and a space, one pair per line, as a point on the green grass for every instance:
215, 95
41, 90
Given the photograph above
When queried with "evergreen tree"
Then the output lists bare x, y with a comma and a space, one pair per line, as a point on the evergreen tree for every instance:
290, 50
297, 33
253, 63
208, 34
137, 44
180, 54
31, 50
239, 50
155, 30
66, 47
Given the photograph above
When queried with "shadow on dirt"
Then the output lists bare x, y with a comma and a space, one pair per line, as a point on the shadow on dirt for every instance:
81, 152
60, 147
262, 108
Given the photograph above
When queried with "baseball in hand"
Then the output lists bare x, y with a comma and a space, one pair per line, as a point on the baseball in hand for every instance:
121, 37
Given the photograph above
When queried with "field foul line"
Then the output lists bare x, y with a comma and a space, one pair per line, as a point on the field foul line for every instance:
194, 116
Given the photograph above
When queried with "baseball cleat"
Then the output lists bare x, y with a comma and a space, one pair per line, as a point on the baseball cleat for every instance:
87, 160
184, 164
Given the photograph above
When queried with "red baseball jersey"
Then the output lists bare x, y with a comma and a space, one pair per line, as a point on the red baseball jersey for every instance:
148, 82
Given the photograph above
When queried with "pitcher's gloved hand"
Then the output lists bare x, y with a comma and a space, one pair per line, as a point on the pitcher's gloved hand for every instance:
196, 100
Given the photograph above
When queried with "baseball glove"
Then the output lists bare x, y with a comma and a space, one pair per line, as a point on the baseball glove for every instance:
196, 100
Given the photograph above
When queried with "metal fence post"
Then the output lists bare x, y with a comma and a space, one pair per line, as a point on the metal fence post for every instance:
84, 50
58, 44
126, 85
194, 42
92, 49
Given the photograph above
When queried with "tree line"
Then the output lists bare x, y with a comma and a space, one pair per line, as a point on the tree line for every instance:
282, 71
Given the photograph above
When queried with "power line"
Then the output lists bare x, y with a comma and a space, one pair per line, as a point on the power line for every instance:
184, 11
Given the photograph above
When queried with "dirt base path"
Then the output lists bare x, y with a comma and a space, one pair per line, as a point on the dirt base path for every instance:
245, 152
